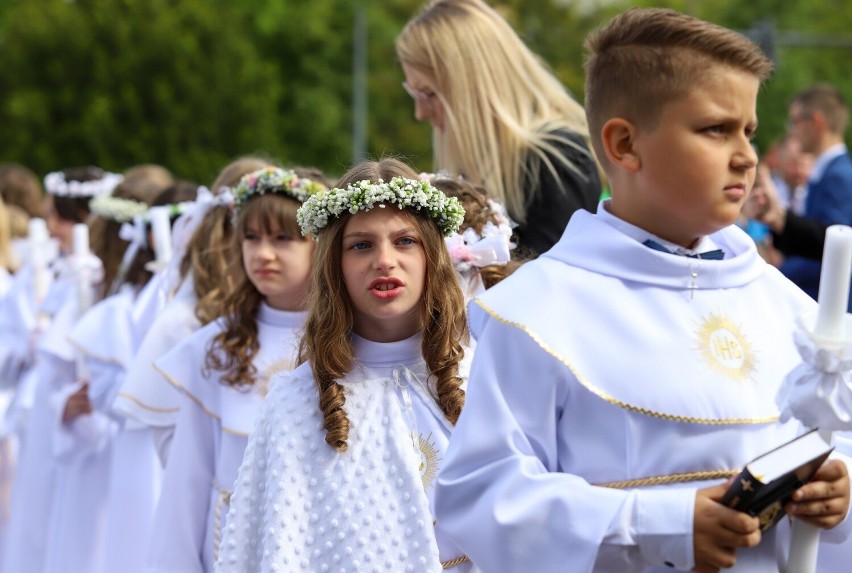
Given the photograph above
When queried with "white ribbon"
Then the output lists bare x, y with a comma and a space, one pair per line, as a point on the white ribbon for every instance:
818, 392
493, 250
184, 228
136, 234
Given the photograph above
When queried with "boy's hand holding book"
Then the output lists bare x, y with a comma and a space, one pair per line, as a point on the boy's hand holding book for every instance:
824, 501
719, 531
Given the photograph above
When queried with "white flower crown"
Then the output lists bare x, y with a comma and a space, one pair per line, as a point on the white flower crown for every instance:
274, 180
116, 208
55, 184
316, 211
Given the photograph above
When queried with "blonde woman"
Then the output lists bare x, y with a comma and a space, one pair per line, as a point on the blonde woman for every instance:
499, 116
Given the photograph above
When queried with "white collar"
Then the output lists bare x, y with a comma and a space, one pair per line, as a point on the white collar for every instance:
592, 244
641, 235
283, 318
379, 354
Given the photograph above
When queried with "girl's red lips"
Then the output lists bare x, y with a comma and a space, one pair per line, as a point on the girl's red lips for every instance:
265, 272
392, 282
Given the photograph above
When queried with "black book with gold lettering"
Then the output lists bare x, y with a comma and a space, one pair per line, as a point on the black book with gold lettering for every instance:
767, 482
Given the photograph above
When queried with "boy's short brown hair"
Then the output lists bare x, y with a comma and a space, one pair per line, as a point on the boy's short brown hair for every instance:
645, 58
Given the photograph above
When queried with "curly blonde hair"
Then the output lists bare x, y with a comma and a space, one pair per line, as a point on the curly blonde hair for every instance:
327, 344
234, 349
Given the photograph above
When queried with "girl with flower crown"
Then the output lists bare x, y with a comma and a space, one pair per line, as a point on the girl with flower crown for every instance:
107, 337
338, 474
224, 369
101, 340
43, 305
194, 290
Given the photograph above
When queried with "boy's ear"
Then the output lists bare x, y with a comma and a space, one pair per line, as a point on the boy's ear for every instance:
618, 139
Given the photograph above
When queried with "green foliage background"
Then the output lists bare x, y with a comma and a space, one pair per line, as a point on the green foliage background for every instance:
192, 84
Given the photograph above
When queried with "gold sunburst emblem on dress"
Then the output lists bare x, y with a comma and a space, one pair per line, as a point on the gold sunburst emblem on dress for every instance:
428, 460
265, 377
725, 348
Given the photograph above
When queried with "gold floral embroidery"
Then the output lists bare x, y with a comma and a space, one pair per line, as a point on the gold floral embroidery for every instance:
265, 377
429, 460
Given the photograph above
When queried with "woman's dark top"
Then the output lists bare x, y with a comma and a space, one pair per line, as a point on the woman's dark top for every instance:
556, 198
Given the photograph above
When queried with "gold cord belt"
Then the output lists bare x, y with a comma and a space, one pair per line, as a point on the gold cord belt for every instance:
453, 562
669, 479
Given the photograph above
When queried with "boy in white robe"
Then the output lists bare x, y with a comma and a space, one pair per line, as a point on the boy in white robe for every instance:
617, 386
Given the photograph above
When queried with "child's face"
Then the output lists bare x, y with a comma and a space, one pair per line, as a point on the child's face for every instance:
278, 265
384, 268
697, 165
60, 229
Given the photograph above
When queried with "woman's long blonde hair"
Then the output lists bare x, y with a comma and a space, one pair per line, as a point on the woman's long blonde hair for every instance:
503, 107
327, 343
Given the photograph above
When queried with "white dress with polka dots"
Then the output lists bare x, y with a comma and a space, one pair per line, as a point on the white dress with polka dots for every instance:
300, 505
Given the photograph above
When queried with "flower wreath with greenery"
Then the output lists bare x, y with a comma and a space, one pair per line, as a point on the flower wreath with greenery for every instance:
116, 208
419, 195
274, 180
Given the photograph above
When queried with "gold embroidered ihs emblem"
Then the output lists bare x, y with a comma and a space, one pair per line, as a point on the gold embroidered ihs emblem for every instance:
428, 460
263, 380
725, 348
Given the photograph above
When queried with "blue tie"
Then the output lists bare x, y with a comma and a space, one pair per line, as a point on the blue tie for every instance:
716, 254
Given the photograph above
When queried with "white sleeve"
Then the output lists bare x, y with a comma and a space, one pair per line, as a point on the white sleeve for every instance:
503, 497
180, 521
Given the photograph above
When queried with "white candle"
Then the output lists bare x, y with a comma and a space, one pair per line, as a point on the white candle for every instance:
37, 238
81, 239
834, 282
37, 242
161, 228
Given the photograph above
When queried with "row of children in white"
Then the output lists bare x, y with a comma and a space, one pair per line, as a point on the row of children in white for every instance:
92, 495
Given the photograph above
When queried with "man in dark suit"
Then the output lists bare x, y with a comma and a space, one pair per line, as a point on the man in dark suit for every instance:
817, 118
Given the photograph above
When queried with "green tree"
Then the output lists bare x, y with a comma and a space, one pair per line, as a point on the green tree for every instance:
121, 82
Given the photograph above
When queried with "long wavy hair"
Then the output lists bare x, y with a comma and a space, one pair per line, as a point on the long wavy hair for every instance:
327, 343
208, 253
233, 350
503, 107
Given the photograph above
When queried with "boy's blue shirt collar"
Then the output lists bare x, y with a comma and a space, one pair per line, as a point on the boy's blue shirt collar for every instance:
641, 235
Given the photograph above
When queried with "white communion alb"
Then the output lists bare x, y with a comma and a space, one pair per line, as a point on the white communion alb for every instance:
610, 382
210, 437
300, 505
